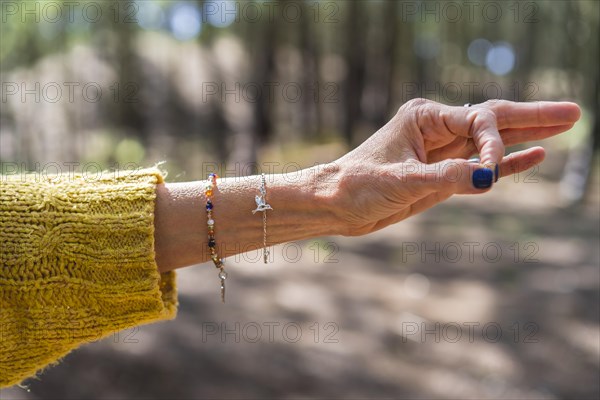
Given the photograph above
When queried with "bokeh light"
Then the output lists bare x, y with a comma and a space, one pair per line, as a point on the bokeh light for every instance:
478, 50
185, 21
221, 13
500, 59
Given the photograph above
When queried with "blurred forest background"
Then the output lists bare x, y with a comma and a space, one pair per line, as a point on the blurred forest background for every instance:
273, 86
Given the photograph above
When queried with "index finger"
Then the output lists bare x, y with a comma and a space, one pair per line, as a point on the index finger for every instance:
510, 114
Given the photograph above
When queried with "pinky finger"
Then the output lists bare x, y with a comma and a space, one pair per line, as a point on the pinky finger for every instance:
520, 161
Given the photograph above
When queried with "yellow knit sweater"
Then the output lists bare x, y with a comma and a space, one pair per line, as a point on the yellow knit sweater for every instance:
76, 264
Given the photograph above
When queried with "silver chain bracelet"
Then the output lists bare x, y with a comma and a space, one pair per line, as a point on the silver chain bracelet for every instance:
263, 206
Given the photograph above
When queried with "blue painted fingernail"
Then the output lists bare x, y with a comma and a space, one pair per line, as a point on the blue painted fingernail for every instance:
496, 173
482, 178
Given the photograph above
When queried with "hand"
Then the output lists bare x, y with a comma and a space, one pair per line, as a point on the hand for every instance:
419, 158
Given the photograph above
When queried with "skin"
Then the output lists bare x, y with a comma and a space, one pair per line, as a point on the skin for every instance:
417, 160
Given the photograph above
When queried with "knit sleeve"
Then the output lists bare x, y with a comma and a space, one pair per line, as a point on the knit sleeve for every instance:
76, 264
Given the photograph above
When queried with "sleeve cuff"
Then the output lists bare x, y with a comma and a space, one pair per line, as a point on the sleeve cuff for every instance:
78, 264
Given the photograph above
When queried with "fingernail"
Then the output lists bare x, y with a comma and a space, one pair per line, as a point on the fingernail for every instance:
482, 178
494, 166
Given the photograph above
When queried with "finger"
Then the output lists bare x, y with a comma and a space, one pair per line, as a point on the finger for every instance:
486, 137
520, 161
511, 114
452, 176
465, 148
512, 136
458, 176
460, 147
479, 124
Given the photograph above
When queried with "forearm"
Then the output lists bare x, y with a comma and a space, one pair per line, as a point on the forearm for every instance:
301, 209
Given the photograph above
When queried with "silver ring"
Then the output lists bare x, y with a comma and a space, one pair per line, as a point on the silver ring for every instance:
468, 105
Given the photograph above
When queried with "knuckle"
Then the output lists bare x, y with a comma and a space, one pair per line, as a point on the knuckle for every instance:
420, 109
485, 116
485, 113
414, 104
493, 102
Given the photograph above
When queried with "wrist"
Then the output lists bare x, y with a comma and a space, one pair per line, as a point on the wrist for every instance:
303, 204
324, 183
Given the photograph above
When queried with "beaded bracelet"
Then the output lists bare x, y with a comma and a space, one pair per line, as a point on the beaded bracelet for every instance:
210, 222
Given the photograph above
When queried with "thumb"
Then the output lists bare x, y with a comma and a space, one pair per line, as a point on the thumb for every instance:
452, 176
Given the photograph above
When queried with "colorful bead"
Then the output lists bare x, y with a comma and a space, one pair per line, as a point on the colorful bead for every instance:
210, 222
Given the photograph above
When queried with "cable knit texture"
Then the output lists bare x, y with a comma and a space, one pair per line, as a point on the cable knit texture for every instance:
76, 264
